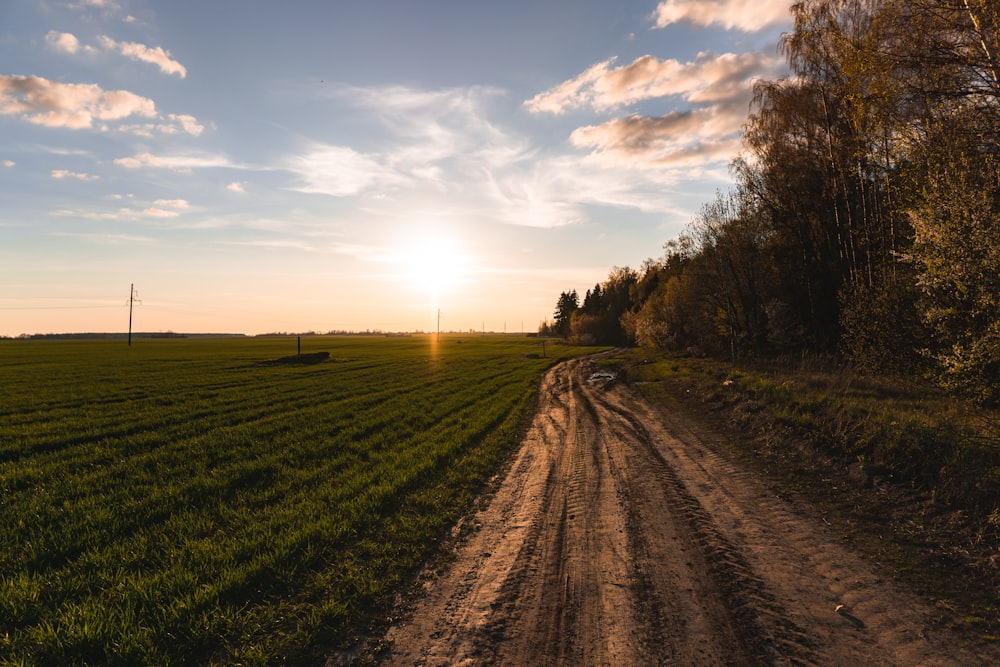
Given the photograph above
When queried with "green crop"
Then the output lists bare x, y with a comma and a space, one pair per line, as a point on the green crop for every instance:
196, 501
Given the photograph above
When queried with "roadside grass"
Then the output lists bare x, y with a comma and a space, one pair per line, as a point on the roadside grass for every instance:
909, 474
191, 502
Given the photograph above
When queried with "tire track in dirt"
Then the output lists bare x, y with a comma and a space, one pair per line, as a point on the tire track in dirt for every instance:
620, 536
583, 569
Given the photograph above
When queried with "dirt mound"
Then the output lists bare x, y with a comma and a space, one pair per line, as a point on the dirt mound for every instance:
298, 359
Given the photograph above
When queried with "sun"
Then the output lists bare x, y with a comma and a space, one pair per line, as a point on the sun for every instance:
435, 266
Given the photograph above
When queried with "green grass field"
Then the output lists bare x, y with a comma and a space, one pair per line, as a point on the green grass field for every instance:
192, 502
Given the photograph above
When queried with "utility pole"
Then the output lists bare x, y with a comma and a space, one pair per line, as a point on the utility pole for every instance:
132, 297
439, 323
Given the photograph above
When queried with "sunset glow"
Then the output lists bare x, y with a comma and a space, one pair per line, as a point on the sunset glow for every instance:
374, 163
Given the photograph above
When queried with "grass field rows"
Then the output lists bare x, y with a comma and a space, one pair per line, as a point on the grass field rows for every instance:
185, 502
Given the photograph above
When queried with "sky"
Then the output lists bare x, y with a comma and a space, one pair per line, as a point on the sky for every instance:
314, 165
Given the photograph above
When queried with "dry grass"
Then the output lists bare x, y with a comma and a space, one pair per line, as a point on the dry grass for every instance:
908, 473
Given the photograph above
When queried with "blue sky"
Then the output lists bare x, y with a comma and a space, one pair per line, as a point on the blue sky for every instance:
256, 166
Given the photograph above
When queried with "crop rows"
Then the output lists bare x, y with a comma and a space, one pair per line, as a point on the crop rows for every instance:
193, 502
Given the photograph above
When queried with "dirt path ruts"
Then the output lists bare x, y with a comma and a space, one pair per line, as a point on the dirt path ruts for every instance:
620, 537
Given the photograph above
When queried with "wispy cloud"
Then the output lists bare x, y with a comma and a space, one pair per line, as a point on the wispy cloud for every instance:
743, 15
90, 214
110, 239
60, 174
68, 105
9, 163
67, 42
552, 189
572, 93
709, 78
678, 139
183, 163
170, 124
236, 186
153, 55
436, 138
97, 4
159, 209
443, 147
340, 171
714, 89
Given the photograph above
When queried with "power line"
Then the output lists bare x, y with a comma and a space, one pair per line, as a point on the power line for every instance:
132, 297
54, 307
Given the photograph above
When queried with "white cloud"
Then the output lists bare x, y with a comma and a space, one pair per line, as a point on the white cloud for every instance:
68, 105
236, 186
9, 163
186, 123
172, 203
60, 174
153, 55
63, 41
154, 212
743, 15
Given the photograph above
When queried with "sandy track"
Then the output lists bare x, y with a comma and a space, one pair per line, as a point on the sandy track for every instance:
620, 537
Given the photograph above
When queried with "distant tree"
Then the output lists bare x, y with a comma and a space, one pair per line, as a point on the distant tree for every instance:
546, 328
662, 318
586, 329
565, 307
602, 321
650, 275
592, 301
616, 302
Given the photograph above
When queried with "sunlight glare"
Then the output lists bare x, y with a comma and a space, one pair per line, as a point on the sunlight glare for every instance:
435, 266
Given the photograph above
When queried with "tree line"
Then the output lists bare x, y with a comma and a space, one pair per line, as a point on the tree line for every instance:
865, 216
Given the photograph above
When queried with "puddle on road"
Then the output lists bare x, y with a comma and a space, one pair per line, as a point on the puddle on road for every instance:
601, 376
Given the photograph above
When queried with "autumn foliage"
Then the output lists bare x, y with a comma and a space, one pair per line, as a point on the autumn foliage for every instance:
865, 219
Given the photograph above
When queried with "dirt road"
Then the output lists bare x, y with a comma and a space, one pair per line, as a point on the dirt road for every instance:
621, 537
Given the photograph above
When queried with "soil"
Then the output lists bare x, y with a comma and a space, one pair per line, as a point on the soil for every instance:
624, 534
